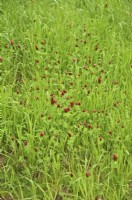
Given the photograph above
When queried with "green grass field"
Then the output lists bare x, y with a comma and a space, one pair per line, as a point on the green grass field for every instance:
66, 100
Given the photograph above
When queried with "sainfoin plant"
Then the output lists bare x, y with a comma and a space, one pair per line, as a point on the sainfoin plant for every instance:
65, 100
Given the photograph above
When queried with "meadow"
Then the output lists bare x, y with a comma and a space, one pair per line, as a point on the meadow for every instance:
66, 100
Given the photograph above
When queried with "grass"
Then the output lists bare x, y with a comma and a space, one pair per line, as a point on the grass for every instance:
66, 108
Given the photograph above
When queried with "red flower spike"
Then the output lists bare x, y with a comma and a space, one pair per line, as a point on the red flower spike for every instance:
110, 132
62, 93
88, 174
115, 157
41, 134
11, 42
25, 143
58, 105
99, 80
67, 109
89, 126
71, 104
78, 103
69, 134
94, 111
53, 101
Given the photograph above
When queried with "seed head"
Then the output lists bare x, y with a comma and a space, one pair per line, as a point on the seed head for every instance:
115, 157
88, 174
